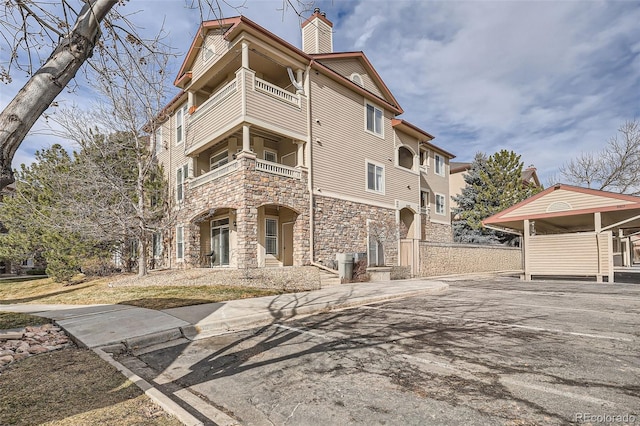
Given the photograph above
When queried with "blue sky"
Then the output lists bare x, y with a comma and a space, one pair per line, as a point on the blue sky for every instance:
545, 79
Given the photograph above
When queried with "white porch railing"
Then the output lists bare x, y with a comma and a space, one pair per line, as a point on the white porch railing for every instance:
277, 92
277, 169
214, 174
424, 210
215, 99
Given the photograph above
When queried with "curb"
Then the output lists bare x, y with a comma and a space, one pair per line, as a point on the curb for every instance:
231, 325
154, 394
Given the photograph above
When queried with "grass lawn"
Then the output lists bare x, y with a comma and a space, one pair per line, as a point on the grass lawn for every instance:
16, 320
45, 291
73, 387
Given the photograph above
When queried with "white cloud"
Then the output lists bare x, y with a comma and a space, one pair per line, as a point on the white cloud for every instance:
546, 79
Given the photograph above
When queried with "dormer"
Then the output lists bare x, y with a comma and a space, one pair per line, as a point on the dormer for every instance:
317, 33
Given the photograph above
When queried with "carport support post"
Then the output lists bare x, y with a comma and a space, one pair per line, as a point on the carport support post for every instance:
527, 237
597, 225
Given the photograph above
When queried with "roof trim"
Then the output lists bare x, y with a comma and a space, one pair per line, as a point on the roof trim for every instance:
499, 217
405, 125
367, 64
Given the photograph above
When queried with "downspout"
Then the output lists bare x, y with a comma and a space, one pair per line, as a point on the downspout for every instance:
309, 155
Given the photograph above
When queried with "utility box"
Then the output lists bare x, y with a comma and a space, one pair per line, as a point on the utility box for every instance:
345, 265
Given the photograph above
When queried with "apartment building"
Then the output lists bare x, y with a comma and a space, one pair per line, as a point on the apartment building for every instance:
283, 156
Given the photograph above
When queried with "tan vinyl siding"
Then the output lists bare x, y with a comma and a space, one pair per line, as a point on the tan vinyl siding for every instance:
220, 47
569, 254
437, 184
205, 123
341, 144
309, 39
350, 66
172, 156
577, 201
288, 117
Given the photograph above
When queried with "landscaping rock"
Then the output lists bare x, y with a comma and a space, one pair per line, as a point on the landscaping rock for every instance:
33, 341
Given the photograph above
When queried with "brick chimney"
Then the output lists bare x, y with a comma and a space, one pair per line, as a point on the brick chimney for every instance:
317, 33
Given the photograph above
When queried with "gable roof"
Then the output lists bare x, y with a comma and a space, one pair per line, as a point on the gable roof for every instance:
325, 59
232, 26
564, 200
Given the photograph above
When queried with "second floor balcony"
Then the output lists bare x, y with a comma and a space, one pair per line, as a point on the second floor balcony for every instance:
246, 99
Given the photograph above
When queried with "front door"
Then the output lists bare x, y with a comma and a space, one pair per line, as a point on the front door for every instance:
220, 242
287, 244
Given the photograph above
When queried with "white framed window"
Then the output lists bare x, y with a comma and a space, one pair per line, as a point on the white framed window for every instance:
373, 119
438, 164
375, 177
219, 159
156, 245
270, 155
440, 204
181, 113
271, 236
179, 242
181, 176
157, 140
357, 79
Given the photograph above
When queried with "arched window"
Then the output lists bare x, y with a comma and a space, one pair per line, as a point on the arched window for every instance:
405, 158
357, 79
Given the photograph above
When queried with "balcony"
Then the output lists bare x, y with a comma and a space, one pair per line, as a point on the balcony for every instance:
278, 169
214, 174
246, 99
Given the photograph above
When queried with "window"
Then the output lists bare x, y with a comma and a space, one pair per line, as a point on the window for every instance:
270, 156
157, 140
438, 164
271, 236
157, 244
181, 175
179, 242
357, 79
180, 115
374, 119
405, 158
440, 204
375, 177
220, 159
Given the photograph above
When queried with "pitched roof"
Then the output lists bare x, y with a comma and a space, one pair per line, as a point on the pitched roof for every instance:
417, 132
564, 200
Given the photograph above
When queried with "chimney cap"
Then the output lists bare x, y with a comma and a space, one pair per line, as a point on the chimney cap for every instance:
316, 10
323, 14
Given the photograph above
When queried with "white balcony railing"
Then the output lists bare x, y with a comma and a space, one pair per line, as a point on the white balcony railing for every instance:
214, 174
424, 210
277, 92
215, 99
277, 169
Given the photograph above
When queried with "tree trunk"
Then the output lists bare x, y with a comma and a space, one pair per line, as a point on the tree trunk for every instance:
42, 88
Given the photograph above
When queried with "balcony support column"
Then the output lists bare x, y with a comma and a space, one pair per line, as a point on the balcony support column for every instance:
246, 138
300, 154
245, 55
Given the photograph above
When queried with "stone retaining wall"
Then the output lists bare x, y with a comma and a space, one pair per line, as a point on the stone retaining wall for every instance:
446, 259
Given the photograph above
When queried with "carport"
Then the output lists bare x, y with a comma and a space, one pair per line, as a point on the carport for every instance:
571, 231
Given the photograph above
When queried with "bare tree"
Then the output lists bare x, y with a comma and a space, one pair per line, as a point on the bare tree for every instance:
118, 183
616, 168
31, 26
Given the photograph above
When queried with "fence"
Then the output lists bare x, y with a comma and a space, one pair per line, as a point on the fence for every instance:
450, 258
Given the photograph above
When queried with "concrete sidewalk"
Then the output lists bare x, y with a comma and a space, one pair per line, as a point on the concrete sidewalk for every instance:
105, 325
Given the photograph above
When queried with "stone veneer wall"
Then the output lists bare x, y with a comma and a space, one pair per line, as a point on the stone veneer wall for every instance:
340, 226
447, 259
436, 232
244, 190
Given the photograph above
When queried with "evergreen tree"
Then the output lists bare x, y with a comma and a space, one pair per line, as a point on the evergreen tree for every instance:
493, 184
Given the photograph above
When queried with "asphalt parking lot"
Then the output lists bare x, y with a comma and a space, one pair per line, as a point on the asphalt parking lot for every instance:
488, 351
